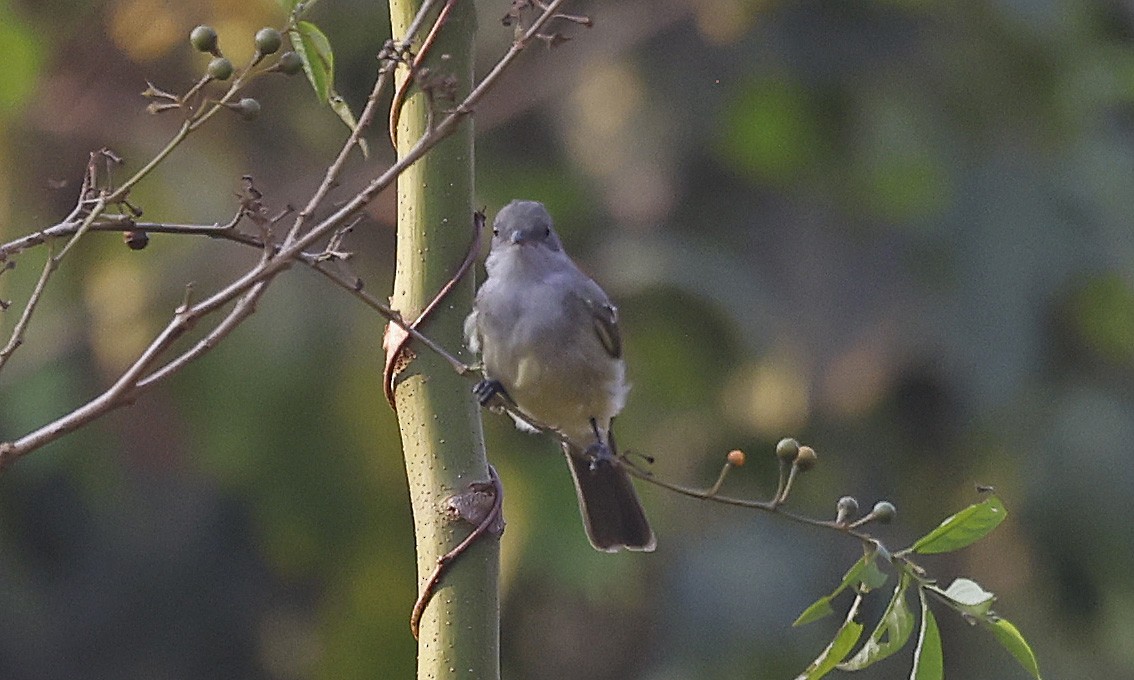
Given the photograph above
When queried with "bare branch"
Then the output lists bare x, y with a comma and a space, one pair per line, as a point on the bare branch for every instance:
247, 288
116, 223
244, 308
17, 337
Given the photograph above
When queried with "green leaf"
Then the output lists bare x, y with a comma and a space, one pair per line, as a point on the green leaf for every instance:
873, 578
967, 597
340, 107
965, 527
842, 644
864, 573
1011, 639
318, 59
314, 49
891, 633
976, 602
819, 609
928, 663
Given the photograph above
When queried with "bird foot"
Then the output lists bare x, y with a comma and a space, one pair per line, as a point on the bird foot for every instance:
491, 394
600, 452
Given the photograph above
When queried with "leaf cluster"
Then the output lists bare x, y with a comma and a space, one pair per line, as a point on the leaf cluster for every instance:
898, 621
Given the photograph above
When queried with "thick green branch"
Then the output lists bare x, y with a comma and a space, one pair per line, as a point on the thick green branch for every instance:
439, 419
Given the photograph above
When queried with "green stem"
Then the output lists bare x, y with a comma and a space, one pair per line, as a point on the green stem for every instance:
437, 415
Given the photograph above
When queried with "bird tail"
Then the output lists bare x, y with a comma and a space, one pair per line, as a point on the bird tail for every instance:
612, 514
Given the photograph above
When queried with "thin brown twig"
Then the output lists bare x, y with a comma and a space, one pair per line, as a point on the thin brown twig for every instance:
51, 262
100, 204
774, 506
353, 286
766, 506
330, 177
18, 331
229, 232
243, 76
122, 392
415, 26
430, 139
132, 383
385, 73
712, 491
190, 125
244, 308
93, 209
116, 223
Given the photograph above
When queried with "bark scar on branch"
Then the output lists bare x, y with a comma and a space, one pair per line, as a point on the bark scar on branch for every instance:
398, 355
469, 506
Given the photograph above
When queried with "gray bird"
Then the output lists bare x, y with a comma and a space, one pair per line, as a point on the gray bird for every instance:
548, 338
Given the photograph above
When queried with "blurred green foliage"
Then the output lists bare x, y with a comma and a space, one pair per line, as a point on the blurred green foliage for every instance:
23, 56
899, 231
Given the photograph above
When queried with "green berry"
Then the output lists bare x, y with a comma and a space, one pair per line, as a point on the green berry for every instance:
248, 108
204, 39
884, 512
787, 449
268, 41
290, 63
220, 68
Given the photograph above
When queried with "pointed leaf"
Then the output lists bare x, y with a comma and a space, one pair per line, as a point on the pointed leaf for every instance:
928, 663
854, 574
1011, 639
864, 573
891, 633
965, 527
314, 49
819, 609
839, 648
340, 107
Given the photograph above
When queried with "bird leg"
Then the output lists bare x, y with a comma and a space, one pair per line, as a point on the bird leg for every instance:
600, 452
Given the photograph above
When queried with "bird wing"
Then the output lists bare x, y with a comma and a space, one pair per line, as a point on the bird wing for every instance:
605, 318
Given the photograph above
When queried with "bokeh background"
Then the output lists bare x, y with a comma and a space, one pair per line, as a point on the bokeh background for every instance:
897, 230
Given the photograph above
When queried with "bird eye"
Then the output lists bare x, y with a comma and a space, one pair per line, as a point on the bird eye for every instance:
495, 231
546, 232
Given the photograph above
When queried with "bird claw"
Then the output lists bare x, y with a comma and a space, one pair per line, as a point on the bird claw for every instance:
489, 394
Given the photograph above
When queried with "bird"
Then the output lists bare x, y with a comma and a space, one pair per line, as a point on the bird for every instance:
548, 340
